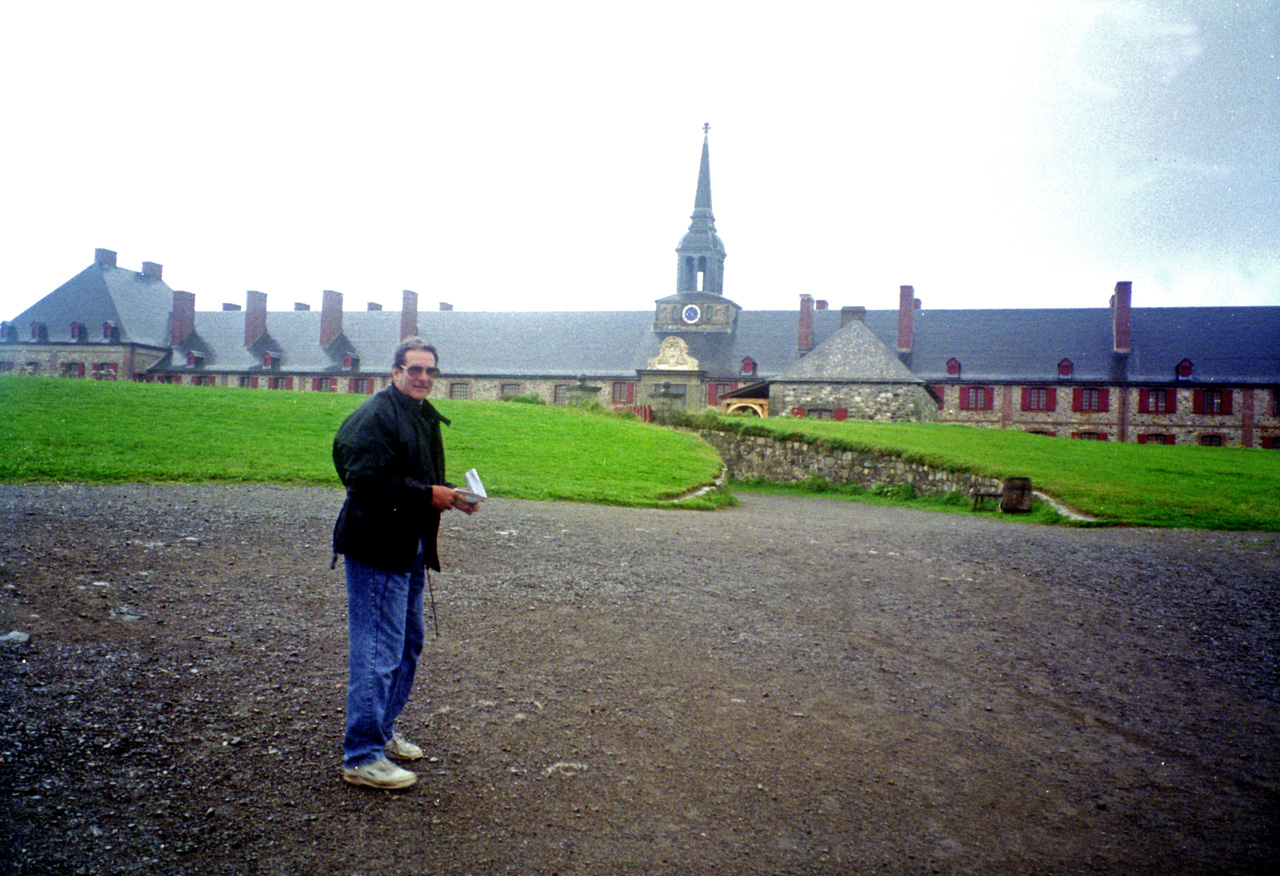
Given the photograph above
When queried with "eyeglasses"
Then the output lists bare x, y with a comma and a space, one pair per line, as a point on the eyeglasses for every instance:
418, 371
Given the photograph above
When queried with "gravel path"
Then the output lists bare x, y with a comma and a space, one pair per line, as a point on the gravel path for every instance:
790, 686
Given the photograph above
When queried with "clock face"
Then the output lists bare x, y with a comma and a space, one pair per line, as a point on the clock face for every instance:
690, 314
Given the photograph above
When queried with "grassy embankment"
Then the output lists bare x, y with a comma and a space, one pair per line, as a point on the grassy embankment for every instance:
1136, 484
70, 430
67, 430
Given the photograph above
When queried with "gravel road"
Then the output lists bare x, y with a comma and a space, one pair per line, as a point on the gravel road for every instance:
792, 686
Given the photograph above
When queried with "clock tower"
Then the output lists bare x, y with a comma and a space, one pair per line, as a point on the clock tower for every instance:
699, 304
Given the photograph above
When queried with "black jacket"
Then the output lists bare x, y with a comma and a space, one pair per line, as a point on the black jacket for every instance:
389, 453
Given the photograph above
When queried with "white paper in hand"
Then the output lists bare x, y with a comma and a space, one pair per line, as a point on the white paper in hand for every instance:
475, 489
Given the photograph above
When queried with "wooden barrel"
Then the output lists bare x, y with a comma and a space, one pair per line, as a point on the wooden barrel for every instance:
1015, 495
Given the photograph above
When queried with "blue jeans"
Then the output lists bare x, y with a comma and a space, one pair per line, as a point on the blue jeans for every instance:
384, 617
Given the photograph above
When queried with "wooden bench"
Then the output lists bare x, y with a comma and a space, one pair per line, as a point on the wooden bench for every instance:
979, 496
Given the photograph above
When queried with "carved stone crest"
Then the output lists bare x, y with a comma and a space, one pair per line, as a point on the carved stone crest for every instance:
673, 355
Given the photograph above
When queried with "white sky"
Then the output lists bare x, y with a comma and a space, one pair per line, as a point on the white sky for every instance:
544, 155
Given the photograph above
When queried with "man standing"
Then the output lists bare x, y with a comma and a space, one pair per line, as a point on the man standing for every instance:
390, 457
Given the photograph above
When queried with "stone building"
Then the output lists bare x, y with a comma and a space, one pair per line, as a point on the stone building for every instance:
1202, 375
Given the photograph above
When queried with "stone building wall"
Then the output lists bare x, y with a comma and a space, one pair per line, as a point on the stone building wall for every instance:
754, 456
881, 402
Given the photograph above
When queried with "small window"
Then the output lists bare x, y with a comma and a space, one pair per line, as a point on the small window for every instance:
459, 390
1066, 368
204, 380
622, 392
976, 398
1211, 401
1157, 401
1048, 433
280, 383
715, 390
953, 367
1090, 399
6, 367
1185, 369
510, 389
748, 365
248, 382
560, 394
1038, 398
1210, 440
1089, 436
1271, 442
358, 385
1156, 438
73, 369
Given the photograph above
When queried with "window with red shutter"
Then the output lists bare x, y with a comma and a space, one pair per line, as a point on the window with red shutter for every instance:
840, 414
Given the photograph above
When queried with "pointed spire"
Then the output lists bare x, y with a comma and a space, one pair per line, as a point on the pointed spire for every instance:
703, 218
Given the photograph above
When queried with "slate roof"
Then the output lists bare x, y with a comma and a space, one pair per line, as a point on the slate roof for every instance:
1225, 344
138, 304
852, 354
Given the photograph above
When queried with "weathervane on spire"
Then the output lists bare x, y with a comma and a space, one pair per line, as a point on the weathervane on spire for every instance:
706, 126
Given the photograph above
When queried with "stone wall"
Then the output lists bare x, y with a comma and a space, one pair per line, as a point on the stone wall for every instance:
753, 456
880, 402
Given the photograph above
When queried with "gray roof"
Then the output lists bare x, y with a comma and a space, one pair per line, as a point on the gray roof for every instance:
1225, 344
137, 304
852, 354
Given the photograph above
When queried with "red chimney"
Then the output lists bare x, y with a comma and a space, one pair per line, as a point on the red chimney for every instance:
183, 320
409, 315
805, 343
255, 317
1120, 310
330, 317
906, 304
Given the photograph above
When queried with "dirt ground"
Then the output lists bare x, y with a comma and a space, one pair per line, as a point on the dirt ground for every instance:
793, 686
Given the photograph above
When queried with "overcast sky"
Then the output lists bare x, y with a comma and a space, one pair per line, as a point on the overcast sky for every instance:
543, 156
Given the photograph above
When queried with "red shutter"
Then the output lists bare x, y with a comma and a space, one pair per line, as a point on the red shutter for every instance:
1197, 401
1142, 439
288, 383
964, 398
1172, 406
1053, 398
797, 412
351, 384
1104, 399
1144, 405
1026, 398
942, 395
1226, 400
1076, 398
631, 392
988, 397
840, 414
315, 384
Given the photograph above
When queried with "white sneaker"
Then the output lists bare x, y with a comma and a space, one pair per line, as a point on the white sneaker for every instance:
402, 749
380, 773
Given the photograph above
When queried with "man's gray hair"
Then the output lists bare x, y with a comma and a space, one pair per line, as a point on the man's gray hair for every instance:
413, 342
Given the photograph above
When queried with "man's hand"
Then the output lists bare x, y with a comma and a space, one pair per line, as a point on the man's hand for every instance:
447, 498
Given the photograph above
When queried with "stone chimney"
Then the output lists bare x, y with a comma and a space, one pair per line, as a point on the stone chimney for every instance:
151, 270
330, 317
849, 314
227, 305
255, 317
373, 305
820, 304
104, 257
805, 341
907, 303
182, 322
409, 315
1120, 315
301, 305
445, 307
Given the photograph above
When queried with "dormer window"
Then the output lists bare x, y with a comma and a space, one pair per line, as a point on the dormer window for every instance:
953, 367
1066, 368
110, 332
192, 359
1185, 369
39, 332
77, 331
267, 360
748, 365
350, 362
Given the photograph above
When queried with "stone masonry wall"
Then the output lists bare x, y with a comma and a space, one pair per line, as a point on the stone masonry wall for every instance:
753, 456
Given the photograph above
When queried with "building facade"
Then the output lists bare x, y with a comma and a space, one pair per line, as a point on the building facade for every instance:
1198, 375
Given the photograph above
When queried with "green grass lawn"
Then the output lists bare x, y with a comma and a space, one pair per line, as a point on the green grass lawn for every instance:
70, 430
1140, 484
